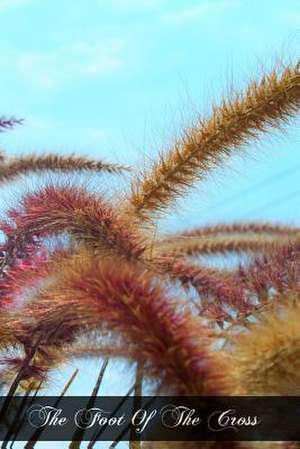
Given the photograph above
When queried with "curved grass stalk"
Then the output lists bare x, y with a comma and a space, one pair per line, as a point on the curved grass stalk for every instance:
79, 433
87, 217
212, 245
214, 287
279, 270
92, 295
243, 228
243, 291
265, 104
35, 437
138, 389
14, 167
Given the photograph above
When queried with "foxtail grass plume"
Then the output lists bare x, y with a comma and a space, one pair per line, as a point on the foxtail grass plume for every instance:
90, 294
14, 167
265, 104
266, 360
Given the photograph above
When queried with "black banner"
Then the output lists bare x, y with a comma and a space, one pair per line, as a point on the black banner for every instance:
150, 418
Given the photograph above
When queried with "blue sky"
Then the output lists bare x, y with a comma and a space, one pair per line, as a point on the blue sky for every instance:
119, 78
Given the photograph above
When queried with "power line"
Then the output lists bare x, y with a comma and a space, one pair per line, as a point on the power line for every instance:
281, 175
272, 203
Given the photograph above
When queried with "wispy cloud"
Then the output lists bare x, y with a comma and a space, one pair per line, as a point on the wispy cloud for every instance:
70, 63
199, 11
134, 5
292, 18
7, 4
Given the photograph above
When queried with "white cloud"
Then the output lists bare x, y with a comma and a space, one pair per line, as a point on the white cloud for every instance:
133, 5
70, 63
6, 4
199, 11
292, 18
